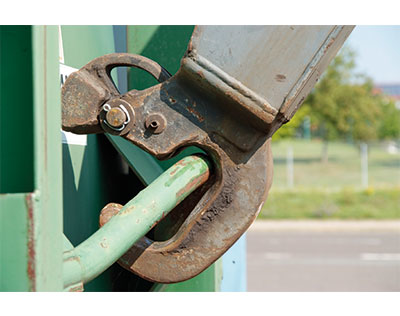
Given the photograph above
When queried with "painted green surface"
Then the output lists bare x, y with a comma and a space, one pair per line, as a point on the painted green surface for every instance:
142, 163
133, 221
16, 110
16, 162
47, 198
83, 43
13, 243
207, 281
164, 44
32, 149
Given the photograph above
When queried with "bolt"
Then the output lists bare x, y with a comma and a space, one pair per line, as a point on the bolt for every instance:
116, 117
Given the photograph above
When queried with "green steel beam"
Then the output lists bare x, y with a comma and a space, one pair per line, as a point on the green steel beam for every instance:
133, 221
14, 236
16, 155
46, 216
30, 145
16, 109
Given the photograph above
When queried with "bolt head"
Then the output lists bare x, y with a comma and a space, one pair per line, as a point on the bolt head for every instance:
116, 117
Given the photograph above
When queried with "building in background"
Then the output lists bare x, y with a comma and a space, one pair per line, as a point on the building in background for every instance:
392, 90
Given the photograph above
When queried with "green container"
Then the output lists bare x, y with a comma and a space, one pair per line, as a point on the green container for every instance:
30, 160
52, 183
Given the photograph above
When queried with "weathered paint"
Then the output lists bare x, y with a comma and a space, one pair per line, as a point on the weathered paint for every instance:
267, 70
47, 197
269, 61
33, 220
223, 203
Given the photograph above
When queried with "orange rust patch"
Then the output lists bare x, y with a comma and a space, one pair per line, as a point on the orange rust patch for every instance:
192, 184
195, 113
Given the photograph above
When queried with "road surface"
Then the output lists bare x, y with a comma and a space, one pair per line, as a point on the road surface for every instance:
292, 256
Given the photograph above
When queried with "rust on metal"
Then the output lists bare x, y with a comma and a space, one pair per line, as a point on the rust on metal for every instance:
156, 123
195, 113
195, 181
116, 117
31, 243
280, 78
90, 87
203, 106
76, 288
109, 211
212, 218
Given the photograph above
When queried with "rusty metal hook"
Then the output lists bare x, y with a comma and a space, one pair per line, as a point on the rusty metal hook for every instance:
190, 116
226, 100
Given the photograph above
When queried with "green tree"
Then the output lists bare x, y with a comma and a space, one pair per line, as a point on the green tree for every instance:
343, 105
389, 127
289, 130
321, 105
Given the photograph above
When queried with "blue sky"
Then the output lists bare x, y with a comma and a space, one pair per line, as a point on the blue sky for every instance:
378, 52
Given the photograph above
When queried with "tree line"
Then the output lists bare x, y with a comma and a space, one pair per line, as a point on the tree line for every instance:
345, 105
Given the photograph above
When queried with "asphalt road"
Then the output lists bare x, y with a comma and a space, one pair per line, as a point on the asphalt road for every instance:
288, 259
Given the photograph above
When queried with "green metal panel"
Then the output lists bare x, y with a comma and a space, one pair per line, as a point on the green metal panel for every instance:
14, 232
31, 252
83, 43
165, 44
16, 162
16, 110
207, 281
47, 199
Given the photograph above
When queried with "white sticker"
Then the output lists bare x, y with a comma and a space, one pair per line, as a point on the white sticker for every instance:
65, 71
73, 139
